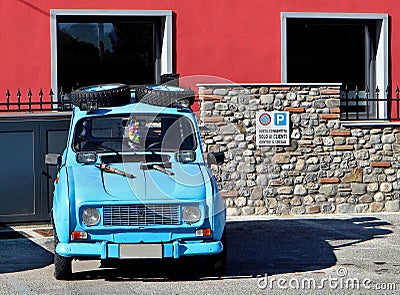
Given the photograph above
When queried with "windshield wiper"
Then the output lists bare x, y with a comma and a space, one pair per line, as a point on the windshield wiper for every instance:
109, 169
162, 169
162, 166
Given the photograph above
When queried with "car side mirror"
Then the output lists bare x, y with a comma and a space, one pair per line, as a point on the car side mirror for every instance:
53, 159
215, 158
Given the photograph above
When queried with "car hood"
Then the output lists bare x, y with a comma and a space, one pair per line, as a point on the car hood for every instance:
148, 185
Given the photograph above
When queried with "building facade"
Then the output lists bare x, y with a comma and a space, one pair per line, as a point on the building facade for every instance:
300, 49
57, 44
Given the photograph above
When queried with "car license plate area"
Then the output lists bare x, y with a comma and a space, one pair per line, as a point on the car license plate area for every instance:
131, 251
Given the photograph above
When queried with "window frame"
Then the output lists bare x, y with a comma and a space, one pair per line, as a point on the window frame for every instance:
380, 77
164, 63
90, 137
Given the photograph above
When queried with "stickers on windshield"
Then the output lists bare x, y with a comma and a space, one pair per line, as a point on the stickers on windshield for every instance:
134, 135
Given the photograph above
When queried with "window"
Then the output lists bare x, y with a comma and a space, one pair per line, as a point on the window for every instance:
339, 48
93, 47
135, 133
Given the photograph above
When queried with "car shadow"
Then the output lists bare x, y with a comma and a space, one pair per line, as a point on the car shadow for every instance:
19, 253
295, 245
256, 248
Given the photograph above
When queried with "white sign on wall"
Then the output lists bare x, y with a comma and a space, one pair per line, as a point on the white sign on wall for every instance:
272, 128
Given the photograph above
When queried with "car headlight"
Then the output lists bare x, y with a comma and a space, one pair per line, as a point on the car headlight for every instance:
191, 214
91, 216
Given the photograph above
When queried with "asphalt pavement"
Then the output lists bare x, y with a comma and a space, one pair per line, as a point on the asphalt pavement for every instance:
312, 254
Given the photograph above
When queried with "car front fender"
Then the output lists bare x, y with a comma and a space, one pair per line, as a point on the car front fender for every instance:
61, 206
216, 205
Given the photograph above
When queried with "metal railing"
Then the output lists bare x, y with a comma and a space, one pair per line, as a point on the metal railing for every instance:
39, 103
354, 104
364, 105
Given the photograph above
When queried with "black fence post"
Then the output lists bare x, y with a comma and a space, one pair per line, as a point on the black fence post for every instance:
30, 100
357, 103
51, 94
19, 99
41, 99
60, 105
397, 102
346, 93
8, 99
377, 91
367, 102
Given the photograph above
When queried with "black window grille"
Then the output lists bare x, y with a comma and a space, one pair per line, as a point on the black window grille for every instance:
368, 105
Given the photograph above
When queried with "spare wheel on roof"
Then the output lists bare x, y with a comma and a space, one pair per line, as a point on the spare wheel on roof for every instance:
162, 95
105, 95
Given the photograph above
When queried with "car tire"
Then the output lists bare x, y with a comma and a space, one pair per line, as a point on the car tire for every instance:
216, 264
105, 95
62, 265
163, 97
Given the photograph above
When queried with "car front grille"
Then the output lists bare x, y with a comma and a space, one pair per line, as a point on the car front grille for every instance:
136, 215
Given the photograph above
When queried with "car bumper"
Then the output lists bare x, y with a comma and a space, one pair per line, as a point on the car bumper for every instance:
104, 250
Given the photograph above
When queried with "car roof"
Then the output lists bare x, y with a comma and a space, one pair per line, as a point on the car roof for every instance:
130, 108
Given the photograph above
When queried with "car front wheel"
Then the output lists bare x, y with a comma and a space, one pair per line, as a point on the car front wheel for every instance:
62, 265
216, 264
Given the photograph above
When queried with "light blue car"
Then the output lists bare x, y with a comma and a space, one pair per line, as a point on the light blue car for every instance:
133, 184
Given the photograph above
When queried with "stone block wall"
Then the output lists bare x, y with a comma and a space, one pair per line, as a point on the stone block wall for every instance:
328, 168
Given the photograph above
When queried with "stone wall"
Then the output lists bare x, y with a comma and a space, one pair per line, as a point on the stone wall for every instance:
329, 168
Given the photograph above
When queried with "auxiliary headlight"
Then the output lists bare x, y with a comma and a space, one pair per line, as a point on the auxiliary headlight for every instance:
185, 156
86, 157
191, 214
91, 216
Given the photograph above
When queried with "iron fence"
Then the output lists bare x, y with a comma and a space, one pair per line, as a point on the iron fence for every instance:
365, 105
35, 103
354, 104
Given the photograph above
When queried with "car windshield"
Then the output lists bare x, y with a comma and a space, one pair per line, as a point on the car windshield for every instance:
134, 133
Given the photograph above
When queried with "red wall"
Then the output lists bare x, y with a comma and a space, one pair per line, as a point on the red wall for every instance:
235, 39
